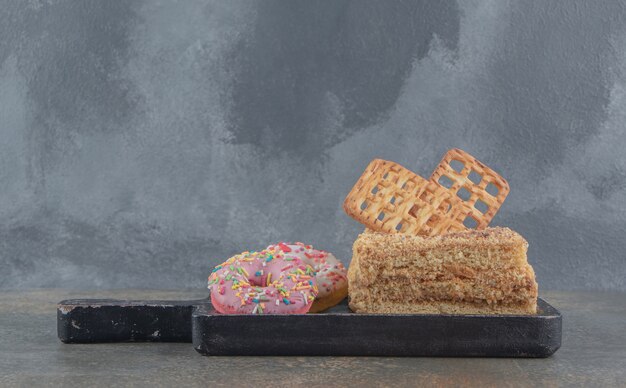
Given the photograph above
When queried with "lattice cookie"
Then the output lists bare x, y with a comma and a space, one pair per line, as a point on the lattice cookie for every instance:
481, 190
389, 198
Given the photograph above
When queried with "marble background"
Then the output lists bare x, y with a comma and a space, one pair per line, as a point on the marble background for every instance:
143, 142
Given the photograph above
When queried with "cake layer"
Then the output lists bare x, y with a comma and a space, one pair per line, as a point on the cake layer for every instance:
454, 289
444, 307
484, 271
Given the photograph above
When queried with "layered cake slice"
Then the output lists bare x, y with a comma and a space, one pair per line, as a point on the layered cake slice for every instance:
470, 272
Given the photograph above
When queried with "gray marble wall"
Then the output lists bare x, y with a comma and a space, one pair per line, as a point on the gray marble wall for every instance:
143, 142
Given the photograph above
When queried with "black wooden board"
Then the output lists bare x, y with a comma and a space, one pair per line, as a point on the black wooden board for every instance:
335, 332
111, 320
339, 332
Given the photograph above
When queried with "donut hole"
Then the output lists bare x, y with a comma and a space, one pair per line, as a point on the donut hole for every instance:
259, 278
255, 282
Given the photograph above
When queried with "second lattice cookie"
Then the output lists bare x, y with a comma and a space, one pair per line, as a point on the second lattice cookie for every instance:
481, 190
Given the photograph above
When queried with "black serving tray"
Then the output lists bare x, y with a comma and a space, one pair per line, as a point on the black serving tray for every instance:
340, 332
335, 332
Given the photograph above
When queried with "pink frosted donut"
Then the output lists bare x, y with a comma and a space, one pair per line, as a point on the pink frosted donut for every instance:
330, 273
265, 282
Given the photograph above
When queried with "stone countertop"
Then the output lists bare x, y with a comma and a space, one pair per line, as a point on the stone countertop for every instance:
593, 353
